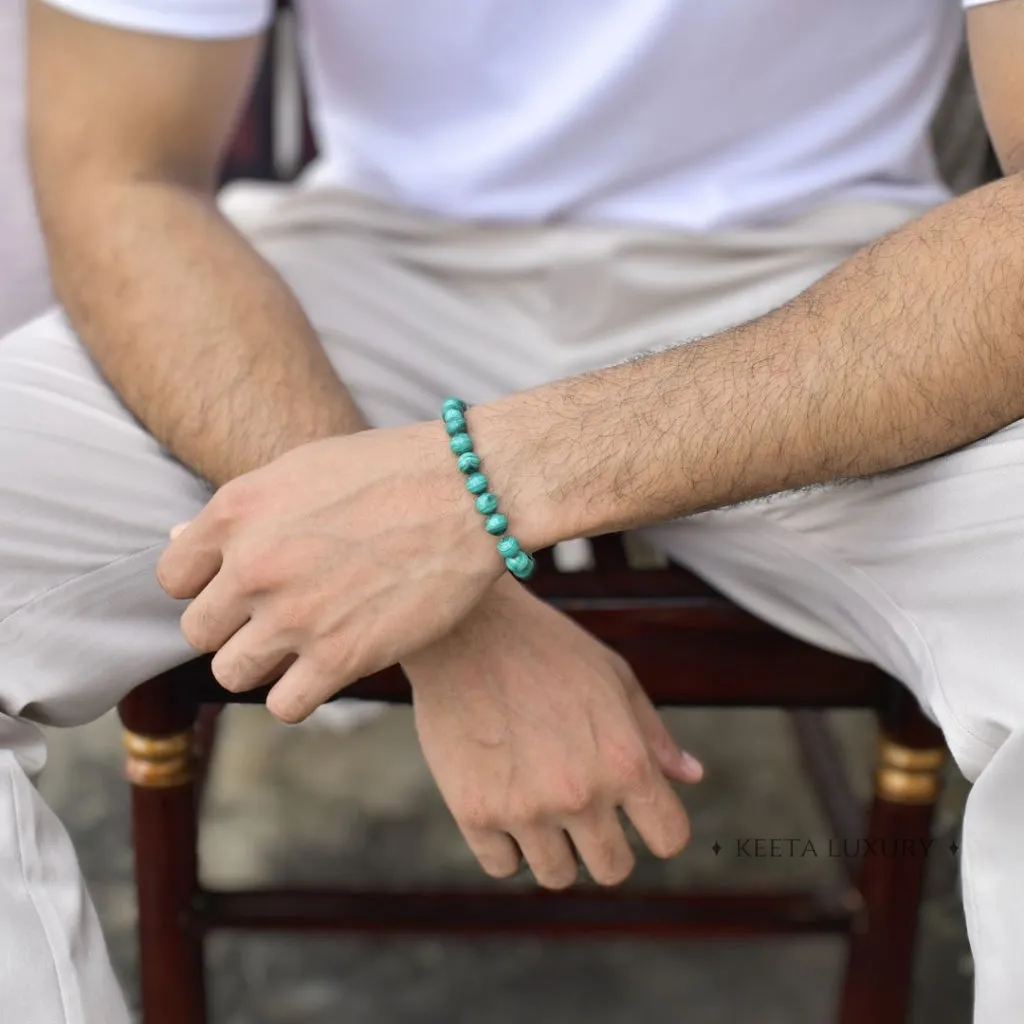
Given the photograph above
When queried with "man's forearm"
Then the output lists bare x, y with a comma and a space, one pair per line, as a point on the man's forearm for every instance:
199, 336
913, 347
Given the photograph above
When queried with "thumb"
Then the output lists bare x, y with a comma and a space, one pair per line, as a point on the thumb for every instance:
677, 764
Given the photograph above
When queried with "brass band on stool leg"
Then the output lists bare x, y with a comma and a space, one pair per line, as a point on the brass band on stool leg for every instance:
160, 762
908, 775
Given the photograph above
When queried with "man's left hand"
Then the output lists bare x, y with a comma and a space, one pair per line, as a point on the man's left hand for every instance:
538, 735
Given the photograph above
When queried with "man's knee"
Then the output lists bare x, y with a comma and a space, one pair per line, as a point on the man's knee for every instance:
86, 500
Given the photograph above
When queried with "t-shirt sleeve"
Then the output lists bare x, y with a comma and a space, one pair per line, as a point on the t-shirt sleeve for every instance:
193, 19
978, 3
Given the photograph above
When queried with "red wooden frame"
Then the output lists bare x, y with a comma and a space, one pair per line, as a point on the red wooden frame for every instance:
689, 647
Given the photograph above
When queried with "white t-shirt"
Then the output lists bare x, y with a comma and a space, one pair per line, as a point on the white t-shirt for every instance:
687, 113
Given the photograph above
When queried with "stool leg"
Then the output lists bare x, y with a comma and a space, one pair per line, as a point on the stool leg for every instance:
908, 780
160, 764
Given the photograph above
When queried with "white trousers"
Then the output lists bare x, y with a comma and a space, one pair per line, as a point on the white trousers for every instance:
919, 571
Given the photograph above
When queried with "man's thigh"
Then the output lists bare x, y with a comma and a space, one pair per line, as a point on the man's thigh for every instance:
87, 496
86, 500
410, 308
919, 571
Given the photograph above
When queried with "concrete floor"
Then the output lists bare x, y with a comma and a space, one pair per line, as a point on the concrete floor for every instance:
309, 805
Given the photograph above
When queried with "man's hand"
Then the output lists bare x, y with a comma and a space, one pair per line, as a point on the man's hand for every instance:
537, 735
338, 559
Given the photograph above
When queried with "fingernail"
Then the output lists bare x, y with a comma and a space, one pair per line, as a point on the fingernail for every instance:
177, 531
691, 765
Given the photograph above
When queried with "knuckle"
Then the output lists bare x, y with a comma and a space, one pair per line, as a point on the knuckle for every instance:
230, 503
197, 628
257, 569
169, 578
522, 812
631, 765
235, 673
294, 615
474, 812
252, 572
337, 666
573, 798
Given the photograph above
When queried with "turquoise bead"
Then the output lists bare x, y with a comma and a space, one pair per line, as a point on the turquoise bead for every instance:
521, 566
452, 405
508, 547
496, 524
517, 561
461, 443
487, 504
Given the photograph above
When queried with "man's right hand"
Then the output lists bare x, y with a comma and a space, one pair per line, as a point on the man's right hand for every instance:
538, 735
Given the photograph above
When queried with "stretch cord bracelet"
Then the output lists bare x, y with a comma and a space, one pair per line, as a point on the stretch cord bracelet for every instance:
518, 562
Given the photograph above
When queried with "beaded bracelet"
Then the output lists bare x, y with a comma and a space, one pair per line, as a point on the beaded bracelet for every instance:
517, 561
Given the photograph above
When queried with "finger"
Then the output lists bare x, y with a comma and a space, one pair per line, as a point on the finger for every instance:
188, 564
549, 855
602, 845
659, 817
194, 555
301, 690
249, 660
690, 769
675, 763
497, 852
214, 616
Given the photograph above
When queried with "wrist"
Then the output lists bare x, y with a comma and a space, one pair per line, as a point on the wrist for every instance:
431, 664
533, 447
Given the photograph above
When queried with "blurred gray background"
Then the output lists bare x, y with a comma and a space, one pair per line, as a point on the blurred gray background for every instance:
311, 805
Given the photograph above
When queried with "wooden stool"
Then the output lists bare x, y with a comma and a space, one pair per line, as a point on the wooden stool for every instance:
689, 647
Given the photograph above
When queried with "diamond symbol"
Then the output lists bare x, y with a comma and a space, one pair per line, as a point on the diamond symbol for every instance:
953, 848
717, 848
